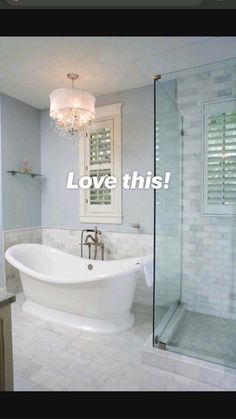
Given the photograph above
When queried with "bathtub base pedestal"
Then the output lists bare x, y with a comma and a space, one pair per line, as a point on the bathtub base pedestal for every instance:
79, 322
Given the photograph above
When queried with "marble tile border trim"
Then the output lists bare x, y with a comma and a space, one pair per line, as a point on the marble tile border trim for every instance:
15, 230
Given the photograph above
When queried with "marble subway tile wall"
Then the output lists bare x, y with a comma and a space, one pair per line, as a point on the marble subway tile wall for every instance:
168, 202
168, 270
117, 246
209, 242
12, 237
125, 245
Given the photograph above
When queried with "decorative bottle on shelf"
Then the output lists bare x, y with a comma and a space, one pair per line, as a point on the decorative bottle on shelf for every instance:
25, 166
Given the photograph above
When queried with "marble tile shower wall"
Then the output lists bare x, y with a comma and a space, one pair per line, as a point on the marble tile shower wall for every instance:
11, 237
168, 269
209, 242
117, 246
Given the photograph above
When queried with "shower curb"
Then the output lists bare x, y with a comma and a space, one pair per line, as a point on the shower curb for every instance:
204, 371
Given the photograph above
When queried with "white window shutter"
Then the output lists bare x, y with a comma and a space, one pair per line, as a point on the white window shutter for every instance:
220, 158
101, 161
100, 155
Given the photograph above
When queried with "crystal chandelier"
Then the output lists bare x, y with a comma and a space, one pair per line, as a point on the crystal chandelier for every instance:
72, 110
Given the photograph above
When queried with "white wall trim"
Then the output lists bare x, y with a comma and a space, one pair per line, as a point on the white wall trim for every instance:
101, 219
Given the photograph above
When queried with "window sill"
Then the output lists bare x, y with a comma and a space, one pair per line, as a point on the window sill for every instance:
100, 219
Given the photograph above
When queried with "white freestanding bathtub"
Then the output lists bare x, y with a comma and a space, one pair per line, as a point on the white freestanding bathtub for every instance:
87, 294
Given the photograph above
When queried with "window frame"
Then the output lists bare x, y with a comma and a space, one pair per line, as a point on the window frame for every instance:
213, 209
96, 213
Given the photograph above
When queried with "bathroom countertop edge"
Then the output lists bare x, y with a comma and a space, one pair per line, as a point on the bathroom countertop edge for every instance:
6, 298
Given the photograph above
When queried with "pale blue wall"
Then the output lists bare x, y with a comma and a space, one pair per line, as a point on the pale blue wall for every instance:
20, 139
60, 207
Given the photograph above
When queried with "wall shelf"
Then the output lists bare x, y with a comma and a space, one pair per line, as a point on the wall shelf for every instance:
14, 172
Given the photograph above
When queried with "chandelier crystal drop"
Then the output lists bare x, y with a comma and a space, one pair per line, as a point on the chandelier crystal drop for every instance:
72, 110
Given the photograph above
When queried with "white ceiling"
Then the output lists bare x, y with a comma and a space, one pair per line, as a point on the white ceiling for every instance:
30, 68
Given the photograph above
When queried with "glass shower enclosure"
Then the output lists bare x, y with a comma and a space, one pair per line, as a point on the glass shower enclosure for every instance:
168, 215
194, 314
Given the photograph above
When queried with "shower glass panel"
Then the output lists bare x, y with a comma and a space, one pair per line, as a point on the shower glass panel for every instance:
168, 209
196, 318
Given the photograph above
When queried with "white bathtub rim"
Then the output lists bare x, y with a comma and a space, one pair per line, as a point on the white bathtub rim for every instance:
87, 324
134, 267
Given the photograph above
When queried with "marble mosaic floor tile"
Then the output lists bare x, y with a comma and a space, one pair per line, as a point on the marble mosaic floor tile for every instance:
206, 335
